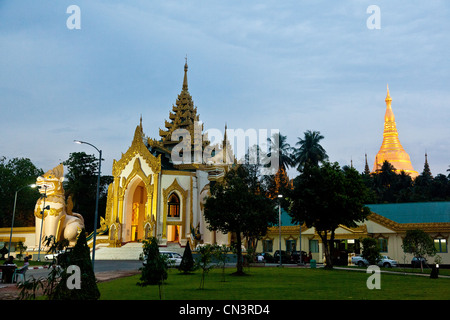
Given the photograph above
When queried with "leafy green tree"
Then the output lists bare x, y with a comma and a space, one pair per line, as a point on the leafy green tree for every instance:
402, 187
221, 255
384, 179
14, 175
309, 151
154, 271
187, 264
22, 248
369, 182
204, 261
81, 184
388, 186
325, 197
423, 185
440, 188
370, 250
237, 205
418, 243
278, 144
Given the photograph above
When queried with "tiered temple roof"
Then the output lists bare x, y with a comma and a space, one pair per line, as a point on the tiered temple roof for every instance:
183, 116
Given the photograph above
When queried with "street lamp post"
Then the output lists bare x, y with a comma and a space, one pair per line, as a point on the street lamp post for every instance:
300, 244
96, 199
42, 222
14, 214
279, 224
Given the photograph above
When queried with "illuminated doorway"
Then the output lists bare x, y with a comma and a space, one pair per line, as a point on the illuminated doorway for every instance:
137, 212
173, 233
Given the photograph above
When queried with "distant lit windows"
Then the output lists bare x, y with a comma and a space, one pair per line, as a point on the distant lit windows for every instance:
440, 245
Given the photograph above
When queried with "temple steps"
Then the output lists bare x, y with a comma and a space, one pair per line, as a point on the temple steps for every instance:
130, 251
172, 247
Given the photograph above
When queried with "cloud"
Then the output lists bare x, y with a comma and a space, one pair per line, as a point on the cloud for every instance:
291, 65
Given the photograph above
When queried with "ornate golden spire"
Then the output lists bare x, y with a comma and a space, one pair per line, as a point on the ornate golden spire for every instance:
391, 149
183, 116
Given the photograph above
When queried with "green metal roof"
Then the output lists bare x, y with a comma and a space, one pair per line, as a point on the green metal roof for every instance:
413, 212
286, 219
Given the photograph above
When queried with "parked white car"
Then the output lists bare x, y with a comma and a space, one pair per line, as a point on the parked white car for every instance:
53, 256
173, 258
385, 261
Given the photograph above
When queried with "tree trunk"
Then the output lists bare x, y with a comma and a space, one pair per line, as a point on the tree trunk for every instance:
239, 265
331, 249
328, 262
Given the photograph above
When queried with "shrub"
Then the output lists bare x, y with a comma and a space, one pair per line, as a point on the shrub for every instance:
154, 271
187, 263
370, 251
79, 256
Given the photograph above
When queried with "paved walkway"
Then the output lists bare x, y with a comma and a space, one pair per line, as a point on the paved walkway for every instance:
9, 291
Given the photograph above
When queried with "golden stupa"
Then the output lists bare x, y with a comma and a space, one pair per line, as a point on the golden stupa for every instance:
391, 149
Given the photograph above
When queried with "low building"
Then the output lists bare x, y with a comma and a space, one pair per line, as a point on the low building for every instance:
388, 224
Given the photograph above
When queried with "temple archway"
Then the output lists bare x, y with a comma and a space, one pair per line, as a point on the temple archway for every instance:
135, 199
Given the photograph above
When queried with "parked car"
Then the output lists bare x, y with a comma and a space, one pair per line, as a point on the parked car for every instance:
385, 261
53, 256
285, 257
415, 262
173, 258
359, 261
295, 256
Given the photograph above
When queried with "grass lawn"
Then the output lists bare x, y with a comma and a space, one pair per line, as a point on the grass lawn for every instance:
426, 271
280, 284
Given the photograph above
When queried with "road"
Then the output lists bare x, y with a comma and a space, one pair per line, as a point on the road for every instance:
100, 266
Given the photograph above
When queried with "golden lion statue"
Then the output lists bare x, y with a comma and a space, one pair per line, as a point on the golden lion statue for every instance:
59, 220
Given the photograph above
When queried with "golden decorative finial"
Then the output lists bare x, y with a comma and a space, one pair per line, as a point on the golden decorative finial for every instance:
388, 96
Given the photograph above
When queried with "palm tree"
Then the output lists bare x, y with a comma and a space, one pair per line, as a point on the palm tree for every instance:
309, 151
279, 145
